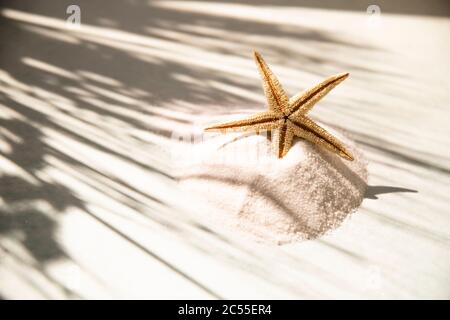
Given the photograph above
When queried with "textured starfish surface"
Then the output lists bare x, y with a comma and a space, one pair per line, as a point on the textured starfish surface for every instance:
287, 118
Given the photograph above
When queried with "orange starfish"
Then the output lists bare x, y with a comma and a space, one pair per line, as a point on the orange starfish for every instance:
287, 117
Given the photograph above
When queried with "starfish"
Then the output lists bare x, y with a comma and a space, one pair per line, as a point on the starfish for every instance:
287, 117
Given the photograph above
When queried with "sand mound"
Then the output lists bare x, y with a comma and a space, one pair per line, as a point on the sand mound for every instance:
250, 191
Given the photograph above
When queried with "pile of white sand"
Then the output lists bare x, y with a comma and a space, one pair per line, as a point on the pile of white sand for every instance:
250, 191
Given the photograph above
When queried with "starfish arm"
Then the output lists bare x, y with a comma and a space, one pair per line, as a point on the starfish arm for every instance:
257, 122
311, 131
304, 101
283, 138
276, 96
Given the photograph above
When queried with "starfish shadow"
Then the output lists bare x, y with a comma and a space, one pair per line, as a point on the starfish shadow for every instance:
373, 191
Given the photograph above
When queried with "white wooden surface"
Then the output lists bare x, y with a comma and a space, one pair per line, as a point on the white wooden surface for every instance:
88, 208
